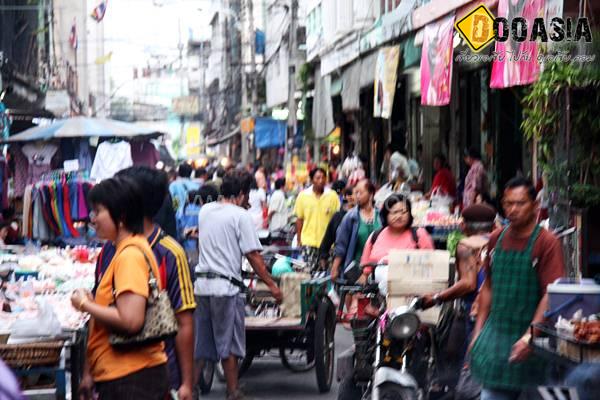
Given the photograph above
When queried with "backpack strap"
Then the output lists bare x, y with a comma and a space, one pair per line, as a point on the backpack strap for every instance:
415, 237
375, 235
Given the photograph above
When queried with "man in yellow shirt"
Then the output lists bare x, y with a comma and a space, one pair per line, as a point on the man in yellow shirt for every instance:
314, 208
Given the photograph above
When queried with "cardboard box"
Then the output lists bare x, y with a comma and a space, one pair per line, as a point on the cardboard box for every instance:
414, 287
419, 265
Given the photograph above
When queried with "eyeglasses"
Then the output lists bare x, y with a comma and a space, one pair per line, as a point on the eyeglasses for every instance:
401, 212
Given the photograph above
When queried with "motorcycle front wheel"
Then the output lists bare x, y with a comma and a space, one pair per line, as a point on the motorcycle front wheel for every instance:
391, 391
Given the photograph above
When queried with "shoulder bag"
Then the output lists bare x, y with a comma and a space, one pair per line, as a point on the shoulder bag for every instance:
159, 322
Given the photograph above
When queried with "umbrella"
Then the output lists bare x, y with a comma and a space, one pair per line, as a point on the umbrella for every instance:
77, 127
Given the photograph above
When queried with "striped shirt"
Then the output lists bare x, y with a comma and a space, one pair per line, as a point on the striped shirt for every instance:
175, 276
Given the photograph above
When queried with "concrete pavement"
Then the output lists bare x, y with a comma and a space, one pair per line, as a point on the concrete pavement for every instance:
268, 379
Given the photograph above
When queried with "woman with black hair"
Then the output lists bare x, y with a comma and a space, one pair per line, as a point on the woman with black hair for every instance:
397, 232
355, 229
120, 300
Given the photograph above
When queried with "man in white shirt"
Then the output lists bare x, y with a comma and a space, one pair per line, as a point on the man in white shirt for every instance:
225, 235
278, 212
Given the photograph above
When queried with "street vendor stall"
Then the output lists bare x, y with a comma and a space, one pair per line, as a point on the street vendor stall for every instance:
42, 337
56, 164
570, 337
435, 216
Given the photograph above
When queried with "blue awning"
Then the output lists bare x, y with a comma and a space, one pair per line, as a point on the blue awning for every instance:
269, 132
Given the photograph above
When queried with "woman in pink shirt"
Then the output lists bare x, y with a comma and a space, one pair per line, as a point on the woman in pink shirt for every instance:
397, 231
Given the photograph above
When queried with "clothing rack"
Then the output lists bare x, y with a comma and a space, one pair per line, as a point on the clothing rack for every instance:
60, 174
55, 205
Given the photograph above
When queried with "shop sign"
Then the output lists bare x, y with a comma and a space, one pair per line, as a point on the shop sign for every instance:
390, 26
186, 105
385, 81
436, 62
192, 141
247, 125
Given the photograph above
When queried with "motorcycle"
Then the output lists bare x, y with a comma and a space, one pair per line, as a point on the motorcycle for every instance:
393, 354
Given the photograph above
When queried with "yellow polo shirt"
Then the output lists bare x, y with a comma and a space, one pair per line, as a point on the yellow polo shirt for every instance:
316, 212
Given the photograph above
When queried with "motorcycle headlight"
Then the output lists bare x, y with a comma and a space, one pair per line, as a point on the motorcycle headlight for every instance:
403, 326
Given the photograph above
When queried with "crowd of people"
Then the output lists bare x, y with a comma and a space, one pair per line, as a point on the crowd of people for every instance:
188, 234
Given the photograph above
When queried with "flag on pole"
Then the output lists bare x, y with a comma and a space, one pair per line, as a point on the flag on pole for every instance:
73, 36
104, 59
98, 12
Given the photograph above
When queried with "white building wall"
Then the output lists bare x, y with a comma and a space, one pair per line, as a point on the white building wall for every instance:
329, 20
344, 16
91, 46
314, 29
277, 78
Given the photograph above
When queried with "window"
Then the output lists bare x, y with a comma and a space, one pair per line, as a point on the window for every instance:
388, 5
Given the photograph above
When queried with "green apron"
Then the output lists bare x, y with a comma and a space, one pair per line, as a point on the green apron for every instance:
515, 297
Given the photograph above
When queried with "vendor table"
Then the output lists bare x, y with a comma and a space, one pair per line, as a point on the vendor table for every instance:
71, 361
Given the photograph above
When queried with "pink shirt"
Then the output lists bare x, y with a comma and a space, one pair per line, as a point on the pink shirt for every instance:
387, 241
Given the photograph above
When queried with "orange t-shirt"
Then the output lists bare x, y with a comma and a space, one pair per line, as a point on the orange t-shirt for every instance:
129, 270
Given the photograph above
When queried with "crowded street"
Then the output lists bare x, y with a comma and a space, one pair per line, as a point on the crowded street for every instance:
299, 199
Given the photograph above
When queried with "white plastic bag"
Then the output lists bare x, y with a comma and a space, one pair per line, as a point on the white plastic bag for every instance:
46, 323
382, 194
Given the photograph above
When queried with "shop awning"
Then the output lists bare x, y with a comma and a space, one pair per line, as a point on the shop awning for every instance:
221, 139
78, 127
269, 132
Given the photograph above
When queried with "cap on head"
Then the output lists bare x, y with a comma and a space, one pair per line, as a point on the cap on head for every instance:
479, 213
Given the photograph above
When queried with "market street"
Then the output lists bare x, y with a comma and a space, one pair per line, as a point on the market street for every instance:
413, 185
267, 379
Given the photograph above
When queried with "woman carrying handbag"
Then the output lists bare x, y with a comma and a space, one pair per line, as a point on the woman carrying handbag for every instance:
125, 354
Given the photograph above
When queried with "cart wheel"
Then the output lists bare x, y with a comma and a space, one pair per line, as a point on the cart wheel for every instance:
324, 345
206, 377
295, 360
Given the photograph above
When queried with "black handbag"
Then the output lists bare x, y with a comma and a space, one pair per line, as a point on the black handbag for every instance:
159, 322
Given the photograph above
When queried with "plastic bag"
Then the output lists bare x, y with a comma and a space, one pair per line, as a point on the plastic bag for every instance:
46, 323
382, 194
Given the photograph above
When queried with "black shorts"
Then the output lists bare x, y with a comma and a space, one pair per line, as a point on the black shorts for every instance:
147, 384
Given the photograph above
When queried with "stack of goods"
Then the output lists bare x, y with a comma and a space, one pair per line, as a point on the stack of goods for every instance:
413, 273
575, 306
35, 302
438, 219
579, 338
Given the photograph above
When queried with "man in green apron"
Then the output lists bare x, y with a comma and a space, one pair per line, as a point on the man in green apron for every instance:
524, 260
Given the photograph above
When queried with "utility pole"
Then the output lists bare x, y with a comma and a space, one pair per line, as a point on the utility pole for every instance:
292, 121
248, 77
243, 14
253, 77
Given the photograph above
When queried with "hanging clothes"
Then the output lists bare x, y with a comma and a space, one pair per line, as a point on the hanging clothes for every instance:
39, 156
110, 159
21, 169
85, 155
26, 231
144, 153
54, 207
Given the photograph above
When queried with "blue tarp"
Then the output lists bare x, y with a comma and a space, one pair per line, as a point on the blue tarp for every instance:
299, 136
269, 132
260, 42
